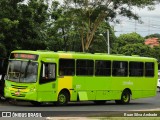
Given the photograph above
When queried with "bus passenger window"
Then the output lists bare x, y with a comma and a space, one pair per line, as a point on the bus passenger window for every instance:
102, 68
136, 69
66, 67
84, 67
48, 72
120, 68
149, 69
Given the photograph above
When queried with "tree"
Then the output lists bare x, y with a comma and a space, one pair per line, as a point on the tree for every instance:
100, 43
131, 44
8, 23
130, 38
23, 25
136, 49
3, 51
31, 30
153, 36
62, 34
155, 53
87, 15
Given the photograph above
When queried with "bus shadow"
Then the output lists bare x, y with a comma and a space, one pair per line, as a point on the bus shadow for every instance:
72, 104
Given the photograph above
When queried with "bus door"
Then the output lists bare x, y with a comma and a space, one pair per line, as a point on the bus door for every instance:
47, 86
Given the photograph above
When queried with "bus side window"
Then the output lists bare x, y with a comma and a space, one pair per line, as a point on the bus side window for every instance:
149, 69
136, 69
120, 68
84, 67
48, 72
66, 67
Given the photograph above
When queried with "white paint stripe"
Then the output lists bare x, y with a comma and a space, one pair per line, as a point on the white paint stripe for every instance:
155, 109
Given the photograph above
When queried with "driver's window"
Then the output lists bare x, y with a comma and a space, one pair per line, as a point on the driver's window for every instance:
48, 72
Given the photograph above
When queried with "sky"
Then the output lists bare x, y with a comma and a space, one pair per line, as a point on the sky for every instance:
150, 25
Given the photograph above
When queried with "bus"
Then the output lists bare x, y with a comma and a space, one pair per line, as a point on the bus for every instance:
62, 77
158, 81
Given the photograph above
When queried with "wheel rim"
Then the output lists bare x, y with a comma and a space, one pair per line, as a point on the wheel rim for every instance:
125, 98
62, 99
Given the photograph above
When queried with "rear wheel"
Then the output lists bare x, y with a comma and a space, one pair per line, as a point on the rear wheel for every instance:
63, 98
125, 98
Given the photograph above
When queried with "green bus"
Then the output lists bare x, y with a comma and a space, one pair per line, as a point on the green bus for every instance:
61, 77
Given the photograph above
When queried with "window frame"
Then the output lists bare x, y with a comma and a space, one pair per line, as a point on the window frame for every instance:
43, 80
86, 68
60, 71
100, 68
146, 75
119, 73
136, 69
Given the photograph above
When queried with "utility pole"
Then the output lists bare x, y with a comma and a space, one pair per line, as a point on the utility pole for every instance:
106, 40
108, 43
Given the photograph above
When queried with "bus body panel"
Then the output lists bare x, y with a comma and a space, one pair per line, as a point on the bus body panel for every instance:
83, 87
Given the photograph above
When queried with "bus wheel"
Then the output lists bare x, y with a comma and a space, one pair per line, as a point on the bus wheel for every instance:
100, 102
125, 98
35, 103
63, 98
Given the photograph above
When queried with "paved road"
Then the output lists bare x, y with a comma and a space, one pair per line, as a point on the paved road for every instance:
84, 108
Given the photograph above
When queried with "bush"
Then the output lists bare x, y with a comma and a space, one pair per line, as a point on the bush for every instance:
3, 51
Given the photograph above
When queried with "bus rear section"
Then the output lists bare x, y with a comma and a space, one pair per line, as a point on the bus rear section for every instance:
158, 81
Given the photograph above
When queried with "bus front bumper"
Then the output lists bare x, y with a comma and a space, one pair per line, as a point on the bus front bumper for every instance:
20, 94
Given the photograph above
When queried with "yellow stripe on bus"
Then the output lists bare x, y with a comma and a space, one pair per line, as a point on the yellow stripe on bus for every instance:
63, 55
65, 83
21, 90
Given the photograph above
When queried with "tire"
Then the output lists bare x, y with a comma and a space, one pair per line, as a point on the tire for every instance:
125, 98
100, 102
35, 103
63, 99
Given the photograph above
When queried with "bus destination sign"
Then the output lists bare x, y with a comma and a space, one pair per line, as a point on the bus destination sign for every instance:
23, 56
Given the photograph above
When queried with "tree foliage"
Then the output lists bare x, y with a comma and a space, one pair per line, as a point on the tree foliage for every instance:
156, 35
8, 23
22, 26
88, 15
75, 25
3, 51
32, 25
131, 44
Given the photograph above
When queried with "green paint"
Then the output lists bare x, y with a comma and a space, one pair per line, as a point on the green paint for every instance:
82, 87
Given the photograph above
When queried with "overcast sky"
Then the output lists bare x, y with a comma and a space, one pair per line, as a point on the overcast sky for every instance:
150, 25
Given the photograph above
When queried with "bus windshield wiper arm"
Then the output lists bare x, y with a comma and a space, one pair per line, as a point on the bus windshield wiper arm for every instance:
26, 69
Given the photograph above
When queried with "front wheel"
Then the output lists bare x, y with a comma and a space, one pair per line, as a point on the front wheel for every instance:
63, 98
125, 98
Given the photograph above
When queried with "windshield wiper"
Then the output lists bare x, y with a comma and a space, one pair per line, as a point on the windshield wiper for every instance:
26, 69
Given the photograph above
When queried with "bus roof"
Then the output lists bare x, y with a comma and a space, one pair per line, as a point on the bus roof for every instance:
82, 55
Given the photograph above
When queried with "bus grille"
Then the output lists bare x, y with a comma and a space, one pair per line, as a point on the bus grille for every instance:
19, 87
21, 94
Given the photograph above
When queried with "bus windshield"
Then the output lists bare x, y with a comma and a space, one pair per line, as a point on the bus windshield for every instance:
22, 71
